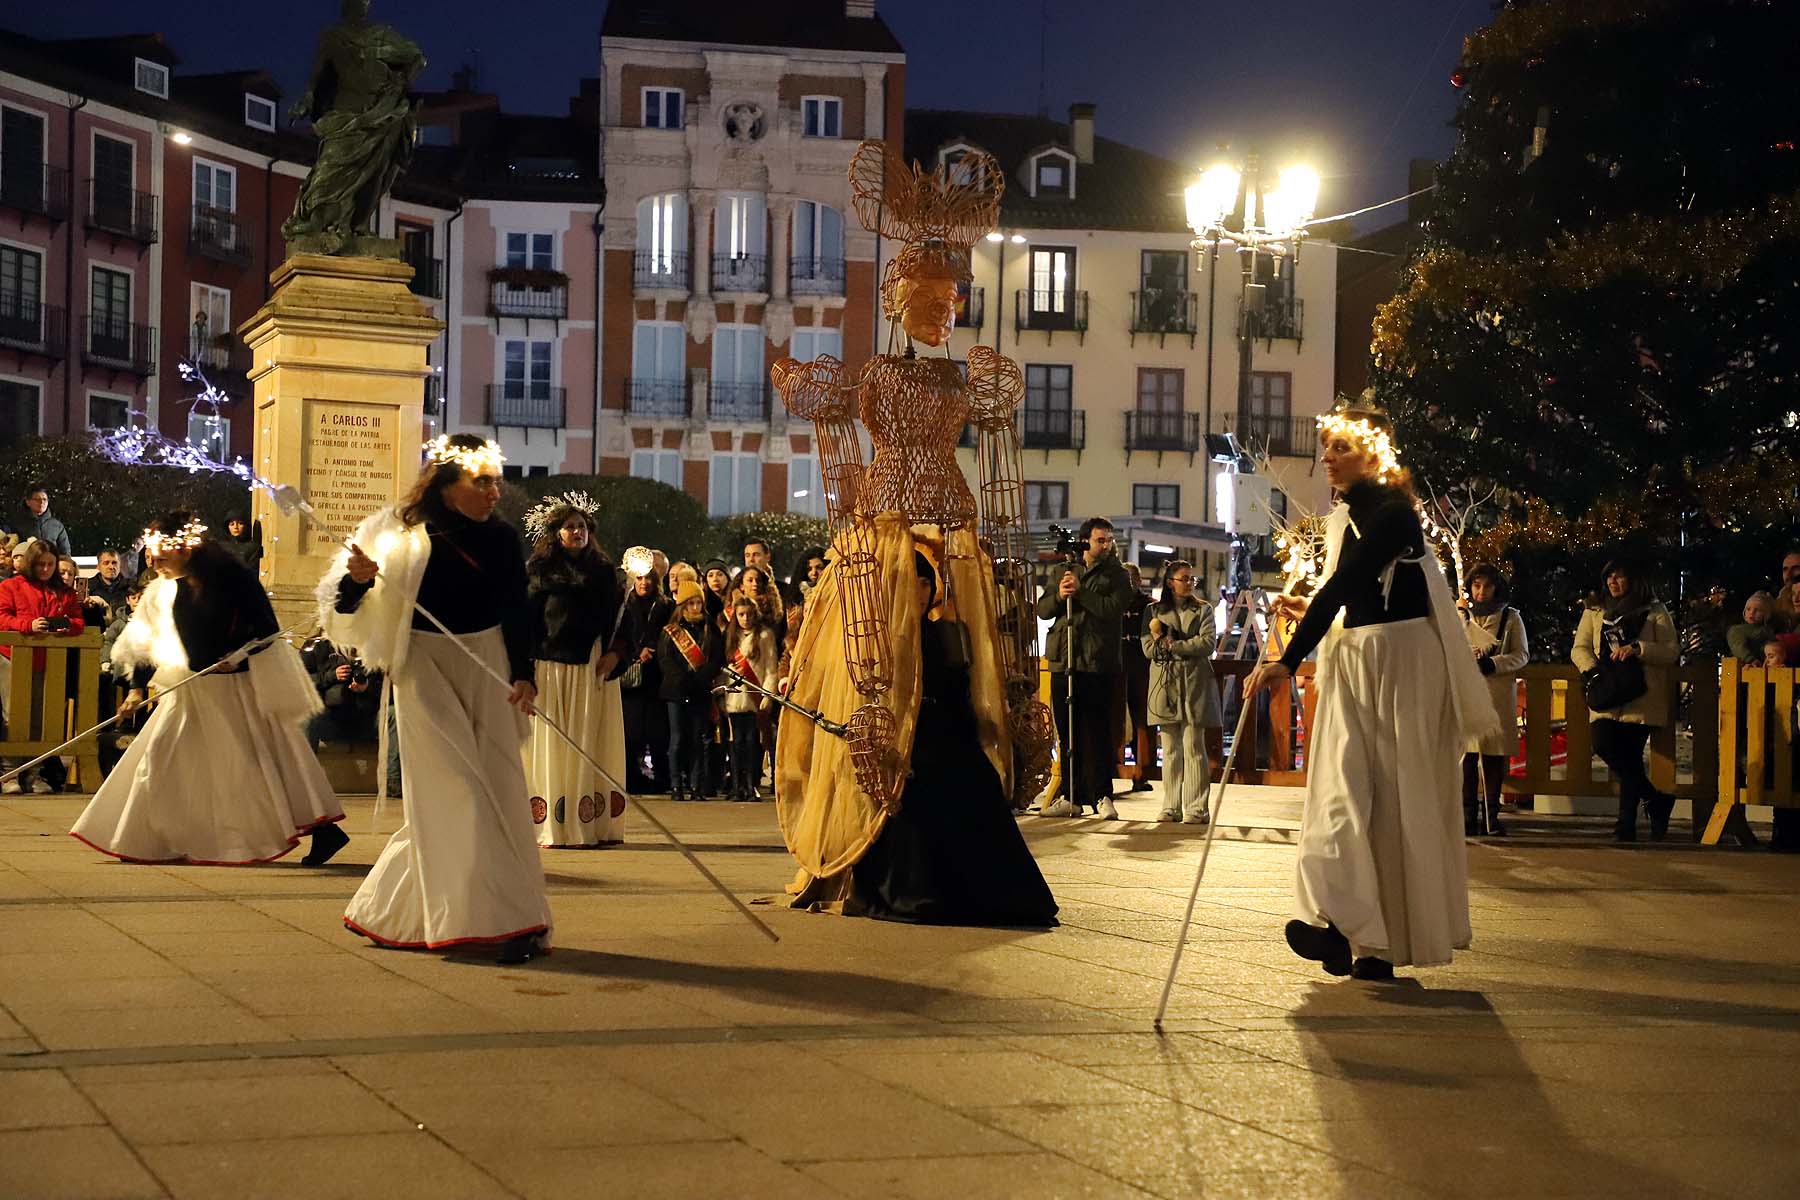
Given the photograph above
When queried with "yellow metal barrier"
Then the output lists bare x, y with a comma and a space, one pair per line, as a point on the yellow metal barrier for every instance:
1756, 741
59, 716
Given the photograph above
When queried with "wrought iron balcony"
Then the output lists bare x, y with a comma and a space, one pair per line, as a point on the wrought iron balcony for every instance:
1051, 312
1163, 311
1053, 428
1274, 320
816, 276
1160, 431
664, 399
742, 403
654, 269
428, 276
220, 235
740, 273
225, 361
117, 209
28, 327
525, 294
526, 405
35, 188
1296, 437
973, 312
119, 345
434, 396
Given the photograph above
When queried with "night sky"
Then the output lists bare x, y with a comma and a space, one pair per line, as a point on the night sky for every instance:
1355, 89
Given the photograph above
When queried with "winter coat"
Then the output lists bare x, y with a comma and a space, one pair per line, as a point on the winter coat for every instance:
1100, 599
121, 617
22, 601
680, 679
573, 606
640, 629
1502, 636
1182, 689
1658, 645
759, 646
48, 529
1746, 642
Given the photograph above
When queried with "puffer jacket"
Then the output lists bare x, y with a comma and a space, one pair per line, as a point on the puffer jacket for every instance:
1182, 689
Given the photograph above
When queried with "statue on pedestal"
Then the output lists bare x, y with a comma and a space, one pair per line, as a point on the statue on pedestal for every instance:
357, 100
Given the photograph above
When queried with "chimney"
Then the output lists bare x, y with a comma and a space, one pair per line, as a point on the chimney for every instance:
1081, 132
859, 9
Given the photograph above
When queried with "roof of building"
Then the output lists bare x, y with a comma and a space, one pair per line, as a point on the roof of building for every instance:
793, 24
1123, 188
512, 156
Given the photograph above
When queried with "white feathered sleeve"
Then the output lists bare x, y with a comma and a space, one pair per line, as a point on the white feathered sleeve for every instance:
380, 628
149, 639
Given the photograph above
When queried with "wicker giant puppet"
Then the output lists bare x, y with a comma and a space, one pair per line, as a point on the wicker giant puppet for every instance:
918, 640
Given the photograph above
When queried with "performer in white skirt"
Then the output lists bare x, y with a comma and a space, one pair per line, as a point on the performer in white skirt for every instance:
463, 867
221, 774
575, 593
1383, 877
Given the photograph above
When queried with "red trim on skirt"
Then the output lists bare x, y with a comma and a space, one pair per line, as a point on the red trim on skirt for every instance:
492, 940
293, 843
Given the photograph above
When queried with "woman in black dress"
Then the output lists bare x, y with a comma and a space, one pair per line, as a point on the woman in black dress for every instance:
953, 854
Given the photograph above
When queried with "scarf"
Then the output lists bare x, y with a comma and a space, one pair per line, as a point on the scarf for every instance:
1485, 608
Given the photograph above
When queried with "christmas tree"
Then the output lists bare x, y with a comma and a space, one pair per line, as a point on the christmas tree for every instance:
1604, 314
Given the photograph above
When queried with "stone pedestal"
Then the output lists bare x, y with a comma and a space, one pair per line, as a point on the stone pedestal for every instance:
338, 364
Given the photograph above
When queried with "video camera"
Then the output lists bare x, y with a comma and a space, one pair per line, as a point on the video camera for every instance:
1068, 545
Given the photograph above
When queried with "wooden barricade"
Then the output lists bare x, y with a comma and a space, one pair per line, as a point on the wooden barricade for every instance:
70, 698
1755, 761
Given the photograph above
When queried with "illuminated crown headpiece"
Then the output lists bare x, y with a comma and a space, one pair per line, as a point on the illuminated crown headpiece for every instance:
155, 541
537, 521
1367, 424
638, 561
485, 459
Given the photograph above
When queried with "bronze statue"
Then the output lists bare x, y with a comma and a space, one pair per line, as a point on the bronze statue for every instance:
357, 100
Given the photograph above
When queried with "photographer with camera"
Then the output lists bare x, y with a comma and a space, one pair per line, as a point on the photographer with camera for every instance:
1087, 606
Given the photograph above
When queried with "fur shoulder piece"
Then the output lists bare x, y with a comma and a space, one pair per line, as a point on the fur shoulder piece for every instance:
149, 638
380, 628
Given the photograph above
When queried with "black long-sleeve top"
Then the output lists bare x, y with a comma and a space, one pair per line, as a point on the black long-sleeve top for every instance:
1385, 528
474, 580
640, 630
681, 681
573, 605
219, 605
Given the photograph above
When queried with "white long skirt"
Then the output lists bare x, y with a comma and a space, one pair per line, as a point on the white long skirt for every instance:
213, 779
571, 804
463, 866
1381, 837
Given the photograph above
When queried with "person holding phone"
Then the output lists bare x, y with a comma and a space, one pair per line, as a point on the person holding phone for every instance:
36, 601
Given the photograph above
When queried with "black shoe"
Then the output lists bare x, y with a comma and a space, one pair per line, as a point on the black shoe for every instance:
327, 840
1142, 785
1658, 810
1623, 836
521, 949
1372, 969
678, 794
1326, 946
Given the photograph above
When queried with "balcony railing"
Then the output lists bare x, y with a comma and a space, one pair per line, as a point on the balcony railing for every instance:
740, 273
744, 403
1297, 437
227, 364
428, 277
547, 301
220, 235
974, 310
1165, 311
1274, 320
526, 406
114, 208
816, 276
1053, 428
665, 399
654, 269
1052, 312
1176, 431
32, 328
434, 395
119, 345
37, 188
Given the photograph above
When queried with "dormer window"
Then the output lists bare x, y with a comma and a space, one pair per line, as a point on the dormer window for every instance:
151, 78
259, 112
1053, 175
952, 155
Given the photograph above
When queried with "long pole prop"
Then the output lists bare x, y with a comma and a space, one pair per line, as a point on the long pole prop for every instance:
1216, 806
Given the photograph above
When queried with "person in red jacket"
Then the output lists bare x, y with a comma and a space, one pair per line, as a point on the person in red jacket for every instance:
35, 601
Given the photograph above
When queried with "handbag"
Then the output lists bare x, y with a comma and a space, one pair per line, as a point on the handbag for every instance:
1611, 684
632, 677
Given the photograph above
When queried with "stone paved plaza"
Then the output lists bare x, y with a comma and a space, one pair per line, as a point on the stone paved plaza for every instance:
1628, 1024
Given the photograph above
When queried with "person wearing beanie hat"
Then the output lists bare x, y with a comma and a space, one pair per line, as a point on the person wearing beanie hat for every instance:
690, 654
715, 585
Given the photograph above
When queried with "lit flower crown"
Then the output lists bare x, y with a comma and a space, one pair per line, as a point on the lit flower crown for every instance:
538, 519
638, 561
1366, 425
155, 541
485, 459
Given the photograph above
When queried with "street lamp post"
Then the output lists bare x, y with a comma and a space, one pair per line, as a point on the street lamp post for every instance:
1000, 238
1228, 204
